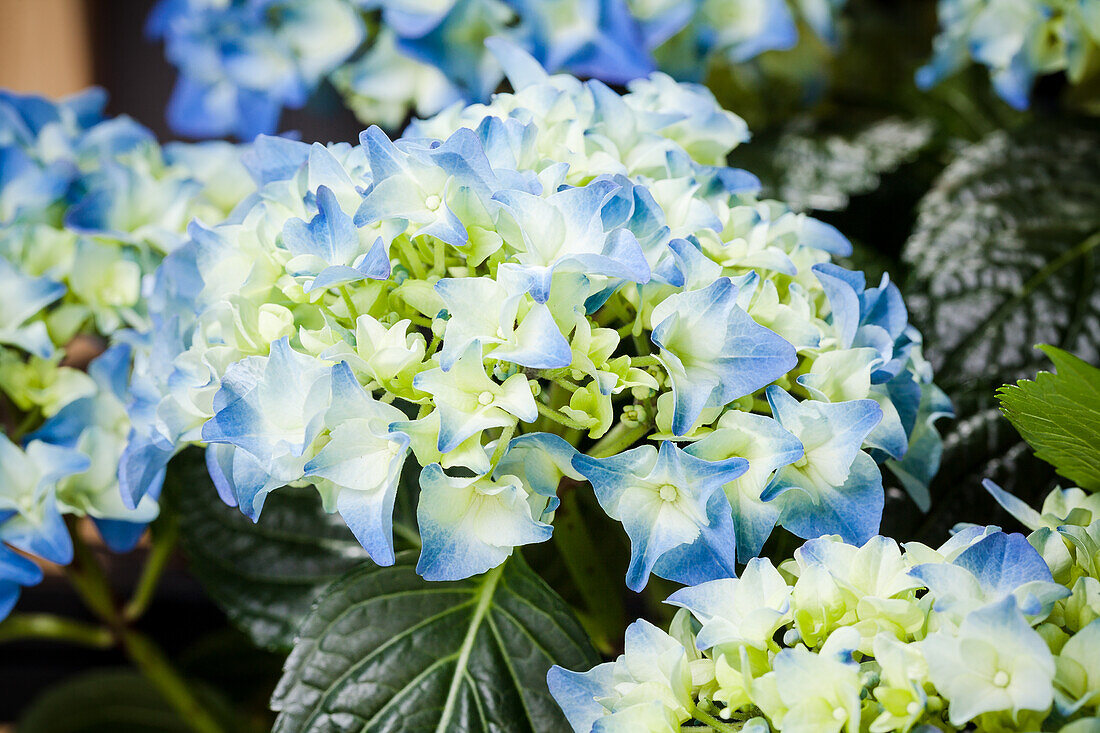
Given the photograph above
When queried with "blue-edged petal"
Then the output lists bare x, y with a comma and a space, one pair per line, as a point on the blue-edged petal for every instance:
713, 351
471, 525
578, 694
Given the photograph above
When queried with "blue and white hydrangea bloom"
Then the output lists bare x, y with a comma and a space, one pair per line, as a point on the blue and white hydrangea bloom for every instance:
1017, 40
563, 283
88, 208
242, 61
991, 631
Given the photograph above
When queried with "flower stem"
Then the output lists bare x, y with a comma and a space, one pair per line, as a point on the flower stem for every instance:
617, 439
152, 663
91, 584
353, 312
502, 445
57, 628
552, 414
165, 534
412, 258
706, 718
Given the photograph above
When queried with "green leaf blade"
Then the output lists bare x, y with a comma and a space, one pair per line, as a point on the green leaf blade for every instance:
1059, 416
384, 650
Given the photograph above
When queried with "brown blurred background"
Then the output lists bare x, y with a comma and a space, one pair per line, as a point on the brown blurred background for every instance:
57, 47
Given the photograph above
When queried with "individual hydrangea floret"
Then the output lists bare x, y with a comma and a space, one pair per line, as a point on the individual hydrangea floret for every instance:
548, 287
870, 637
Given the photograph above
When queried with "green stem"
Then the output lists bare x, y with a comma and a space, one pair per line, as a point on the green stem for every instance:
412, 258
353, 312
551, 414
436, 341
152, 663
706, 718
501, 446
617, 439
87, 578
91, 584
439, 265
165, 534
47, 626
567, 384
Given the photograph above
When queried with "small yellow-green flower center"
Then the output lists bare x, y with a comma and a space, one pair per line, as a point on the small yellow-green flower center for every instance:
912, 708
485, 398
802, 462
1001, 679
840, 714
668, 492
432, 202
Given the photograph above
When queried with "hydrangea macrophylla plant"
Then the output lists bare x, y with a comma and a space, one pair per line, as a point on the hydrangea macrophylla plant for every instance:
88, 207
242, 61
563, 283
991, 631
1018, 40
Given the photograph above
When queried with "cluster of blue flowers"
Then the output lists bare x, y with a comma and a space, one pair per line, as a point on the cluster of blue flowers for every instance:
1018, 40
88, 207
566, 282
990, 632
242, 61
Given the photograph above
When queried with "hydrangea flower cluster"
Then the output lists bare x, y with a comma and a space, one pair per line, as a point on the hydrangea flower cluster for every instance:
88, 207
565, 268
242, 61
991, 631
1018, 40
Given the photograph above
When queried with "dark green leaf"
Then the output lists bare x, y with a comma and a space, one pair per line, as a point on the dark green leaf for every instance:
385, 650
812, 168
264, 575
1005, 255
1059, 416
108, 701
